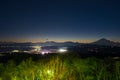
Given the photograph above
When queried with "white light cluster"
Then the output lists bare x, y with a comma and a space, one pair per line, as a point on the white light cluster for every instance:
44, 52
62, 50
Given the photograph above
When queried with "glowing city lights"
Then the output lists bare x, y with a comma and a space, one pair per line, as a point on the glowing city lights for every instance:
44, 52
62, 50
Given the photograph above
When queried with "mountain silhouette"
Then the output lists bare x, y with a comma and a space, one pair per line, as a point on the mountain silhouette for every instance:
105, 42
102, 41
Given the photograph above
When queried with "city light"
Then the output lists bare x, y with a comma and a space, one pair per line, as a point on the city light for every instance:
44, 52
62, 50
36, 48
15, 51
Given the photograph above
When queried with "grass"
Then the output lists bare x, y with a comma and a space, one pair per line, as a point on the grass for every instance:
61, 67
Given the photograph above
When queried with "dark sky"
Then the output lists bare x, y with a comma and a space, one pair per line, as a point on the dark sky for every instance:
59, 20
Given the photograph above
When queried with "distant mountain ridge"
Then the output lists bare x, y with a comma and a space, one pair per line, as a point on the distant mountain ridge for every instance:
52, 43
103, 41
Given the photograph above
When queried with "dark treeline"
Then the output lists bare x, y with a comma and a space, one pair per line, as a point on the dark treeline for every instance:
20, 56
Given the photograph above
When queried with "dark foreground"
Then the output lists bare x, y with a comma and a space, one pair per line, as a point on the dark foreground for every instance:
68, 66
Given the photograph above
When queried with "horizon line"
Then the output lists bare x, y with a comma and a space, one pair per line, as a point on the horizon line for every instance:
59, 41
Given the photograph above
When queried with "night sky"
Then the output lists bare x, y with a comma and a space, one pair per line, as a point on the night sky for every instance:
59, 20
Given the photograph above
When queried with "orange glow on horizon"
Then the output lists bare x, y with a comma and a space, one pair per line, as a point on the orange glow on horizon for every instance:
43, 40
56, 40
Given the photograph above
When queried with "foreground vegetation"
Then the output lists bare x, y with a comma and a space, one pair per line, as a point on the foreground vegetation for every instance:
61, 67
